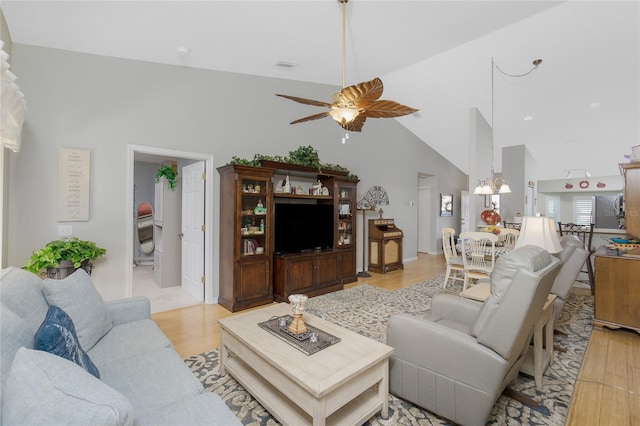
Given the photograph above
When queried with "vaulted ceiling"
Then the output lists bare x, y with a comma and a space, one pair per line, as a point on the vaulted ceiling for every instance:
582, 103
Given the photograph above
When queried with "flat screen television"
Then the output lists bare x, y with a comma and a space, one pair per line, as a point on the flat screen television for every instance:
303, 227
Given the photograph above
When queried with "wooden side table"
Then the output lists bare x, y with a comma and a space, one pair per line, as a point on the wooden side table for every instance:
536, 361
535, 364
478, 292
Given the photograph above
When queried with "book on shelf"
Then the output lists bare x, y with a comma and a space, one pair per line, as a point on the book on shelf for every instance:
249, 246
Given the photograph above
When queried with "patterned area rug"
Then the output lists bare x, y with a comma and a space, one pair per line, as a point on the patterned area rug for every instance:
366, 310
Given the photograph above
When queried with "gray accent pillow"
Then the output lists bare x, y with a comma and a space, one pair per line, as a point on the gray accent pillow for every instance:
45, 389
78, 297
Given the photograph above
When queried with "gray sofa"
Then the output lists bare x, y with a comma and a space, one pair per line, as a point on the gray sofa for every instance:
142, 380
457, 362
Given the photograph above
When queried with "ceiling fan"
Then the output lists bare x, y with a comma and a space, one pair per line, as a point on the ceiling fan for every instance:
352, 105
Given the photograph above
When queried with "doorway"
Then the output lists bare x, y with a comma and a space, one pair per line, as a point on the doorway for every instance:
173, 296
426, 219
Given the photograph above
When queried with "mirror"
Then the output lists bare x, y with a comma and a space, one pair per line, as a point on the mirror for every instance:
144, 228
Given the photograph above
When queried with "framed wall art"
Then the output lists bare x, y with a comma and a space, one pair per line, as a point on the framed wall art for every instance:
74, 175
446, 204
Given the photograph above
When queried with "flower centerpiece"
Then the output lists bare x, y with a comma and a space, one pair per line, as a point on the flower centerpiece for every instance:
493, 229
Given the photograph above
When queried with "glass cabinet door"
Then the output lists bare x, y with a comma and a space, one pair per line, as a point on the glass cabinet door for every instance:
346, 207
254, 217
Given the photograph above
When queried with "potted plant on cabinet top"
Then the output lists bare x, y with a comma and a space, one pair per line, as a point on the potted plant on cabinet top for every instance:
62, 257
170, 174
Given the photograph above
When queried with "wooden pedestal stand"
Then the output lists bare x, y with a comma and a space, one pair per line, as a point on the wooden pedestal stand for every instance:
297, 326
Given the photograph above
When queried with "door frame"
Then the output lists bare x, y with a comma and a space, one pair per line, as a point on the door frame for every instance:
209, 294
430, 182
424, 204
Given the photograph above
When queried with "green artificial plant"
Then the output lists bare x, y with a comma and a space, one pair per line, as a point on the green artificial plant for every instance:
71, 249
302, 156
167, 172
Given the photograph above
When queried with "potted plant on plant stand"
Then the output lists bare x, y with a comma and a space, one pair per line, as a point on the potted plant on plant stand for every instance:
60, 258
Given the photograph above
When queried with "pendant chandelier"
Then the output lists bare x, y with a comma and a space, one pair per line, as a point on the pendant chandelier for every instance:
492, 184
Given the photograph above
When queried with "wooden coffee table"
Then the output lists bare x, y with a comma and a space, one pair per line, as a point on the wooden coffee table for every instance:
344, 384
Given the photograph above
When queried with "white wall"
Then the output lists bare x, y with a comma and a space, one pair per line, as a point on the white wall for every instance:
105, 104
5, 154
518, 169
596, 184
480, 162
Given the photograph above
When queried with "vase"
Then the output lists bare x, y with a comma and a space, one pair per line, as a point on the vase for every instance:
66, 268
490, 217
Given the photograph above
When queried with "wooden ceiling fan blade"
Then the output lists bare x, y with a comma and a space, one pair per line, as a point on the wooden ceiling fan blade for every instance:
362, 93
356, 124
387, 109
311, 117
306, 101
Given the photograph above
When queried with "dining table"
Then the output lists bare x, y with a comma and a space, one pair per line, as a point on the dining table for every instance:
499, 250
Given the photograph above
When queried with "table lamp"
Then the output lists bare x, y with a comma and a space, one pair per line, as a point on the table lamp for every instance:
539, 231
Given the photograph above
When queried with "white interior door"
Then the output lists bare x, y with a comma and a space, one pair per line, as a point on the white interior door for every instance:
464, 211
530, 208
424, 228
192, 229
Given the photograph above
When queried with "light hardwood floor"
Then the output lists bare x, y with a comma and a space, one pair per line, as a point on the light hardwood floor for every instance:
607, 391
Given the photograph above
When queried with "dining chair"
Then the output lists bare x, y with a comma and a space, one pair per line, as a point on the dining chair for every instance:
454, 260
478, 255
512, 225
585, 233
509, 236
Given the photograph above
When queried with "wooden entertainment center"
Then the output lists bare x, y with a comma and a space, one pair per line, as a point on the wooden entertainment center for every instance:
251, 273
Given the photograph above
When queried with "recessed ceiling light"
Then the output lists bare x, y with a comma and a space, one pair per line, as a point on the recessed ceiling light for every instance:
595, 104
182, 50
528, 117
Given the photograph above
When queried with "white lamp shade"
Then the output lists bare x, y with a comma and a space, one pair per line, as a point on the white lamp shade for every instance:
541, 232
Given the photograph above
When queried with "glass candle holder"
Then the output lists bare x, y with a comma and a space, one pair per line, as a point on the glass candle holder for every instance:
297, 302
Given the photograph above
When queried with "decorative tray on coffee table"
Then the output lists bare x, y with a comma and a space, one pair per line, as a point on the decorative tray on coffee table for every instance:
301, 341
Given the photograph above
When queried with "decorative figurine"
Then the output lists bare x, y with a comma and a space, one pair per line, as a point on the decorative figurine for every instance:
259, 209
286, 186
317, 188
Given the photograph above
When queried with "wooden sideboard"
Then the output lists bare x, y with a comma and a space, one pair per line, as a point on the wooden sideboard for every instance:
631, 173
617, 292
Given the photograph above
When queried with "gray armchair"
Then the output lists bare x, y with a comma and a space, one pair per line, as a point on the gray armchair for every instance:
457, 362
572, 256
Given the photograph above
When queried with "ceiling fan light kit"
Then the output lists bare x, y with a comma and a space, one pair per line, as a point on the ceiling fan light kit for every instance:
351, 107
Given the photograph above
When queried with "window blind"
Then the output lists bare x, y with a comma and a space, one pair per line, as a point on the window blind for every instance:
582, 208
551, 207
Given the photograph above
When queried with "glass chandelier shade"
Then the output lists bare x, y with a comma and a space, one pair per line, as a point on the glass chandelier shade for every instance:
490, 186
344, 115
